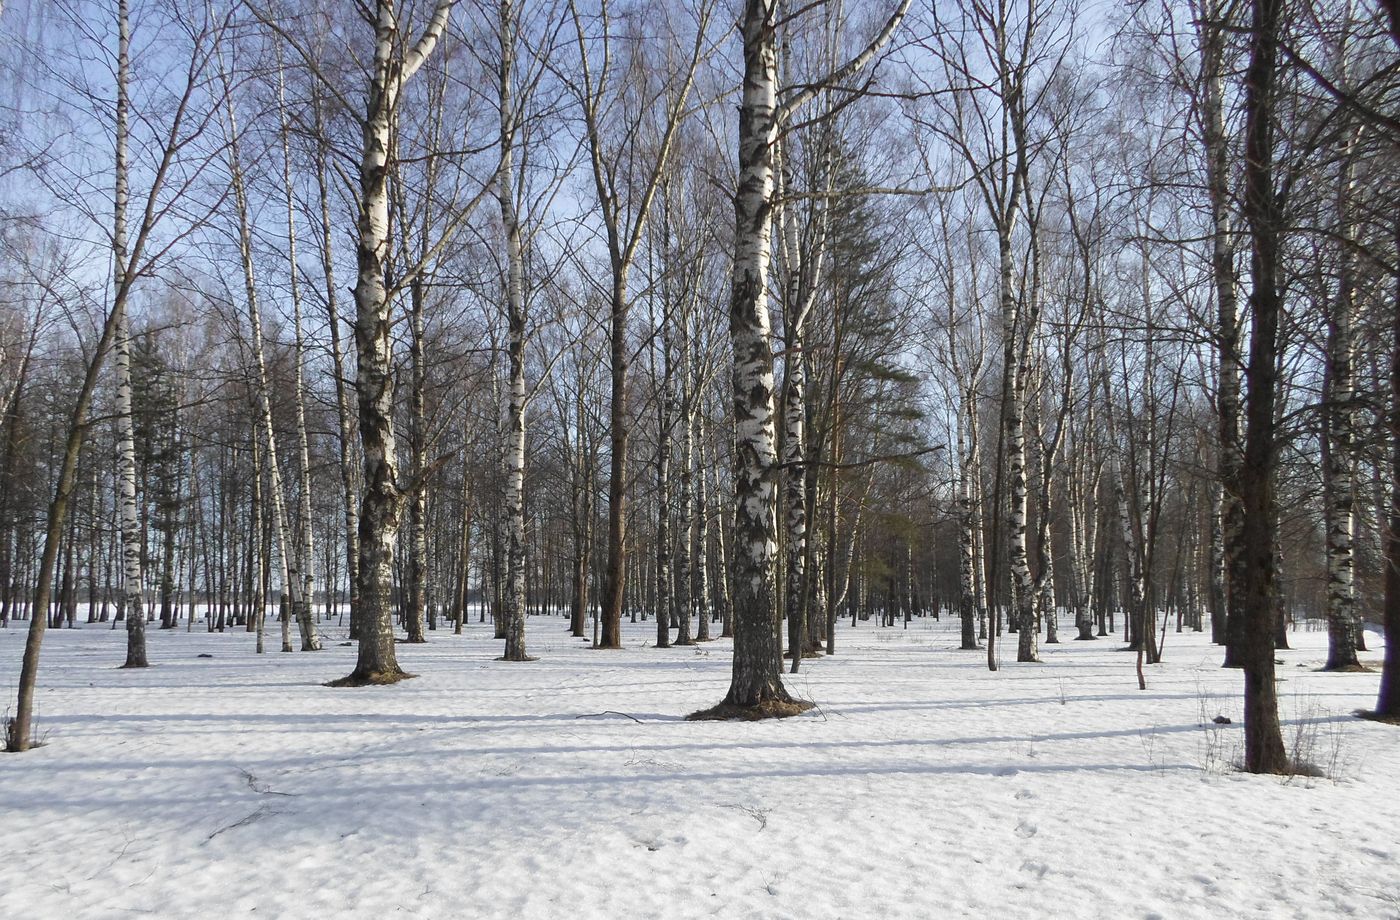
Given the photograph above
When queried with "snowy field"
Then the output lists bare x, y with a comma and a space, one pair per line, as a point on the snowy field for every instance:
922, 785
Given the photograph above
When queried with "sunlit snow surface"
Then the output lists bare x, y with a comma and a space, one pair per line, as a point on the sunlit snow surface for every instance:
921, 786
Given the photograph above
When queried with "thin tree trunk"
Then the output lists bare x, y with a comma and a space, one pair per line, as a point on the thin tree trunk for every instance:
131, 530
1338, 436
344, 416
310, 641
516, 320
1211, 30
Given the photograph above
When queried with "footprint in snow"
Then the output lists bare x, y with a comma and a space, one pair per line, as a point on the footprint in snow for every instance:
1027, 830
1038, 869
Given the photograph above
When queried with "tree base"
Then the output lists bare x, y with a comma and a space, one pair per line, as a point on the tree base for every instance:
1357, 668
1371, 715
521, 658
131, 665
768, 709
358, 678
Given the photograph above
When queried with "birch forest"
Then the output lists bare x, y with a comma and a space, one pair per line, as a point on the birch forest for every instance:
411, 322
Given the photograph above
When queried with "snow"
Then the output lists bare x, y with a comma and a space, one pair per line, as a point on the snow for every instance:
922, 786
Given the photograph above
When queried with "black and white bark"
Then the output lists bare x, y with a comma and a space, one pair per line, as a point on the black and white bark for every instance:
755, 678
307, 549
290, 564
1338, 438
381, 507
1213, 22
345, 416
132, 542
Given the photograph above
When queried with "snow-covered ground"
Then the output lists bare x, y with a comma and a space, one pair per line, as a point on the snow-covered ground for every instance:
921, 786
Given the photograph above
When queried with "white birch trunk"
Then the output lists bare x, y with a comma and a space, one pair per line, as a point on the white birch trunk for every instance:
685, 522
131, 529
344, 414
516, 320
382, 503
968, 472
1211, 32
290, 570
701, 601
310, 641
755, 678
1013, 418
665, 415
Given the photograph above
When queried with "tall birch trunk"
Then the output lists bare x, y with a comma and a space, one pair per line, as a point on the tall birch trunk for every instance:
414, 588
968, 471
310, 641
131, 530
665, 413
685, 523
755, 680
291, 572
257, 619
515, 347
702, 539
801, 269
1338, 436
382, 503
1014, 430
582, 507
1211, 31
344, 416
1080, 551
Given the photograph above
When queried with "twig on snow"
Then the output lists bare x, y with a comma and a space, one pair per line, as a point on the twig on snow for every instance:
609, 712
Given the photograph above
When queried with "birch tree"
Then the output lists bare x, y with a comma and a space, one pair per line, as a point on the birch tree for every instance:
395, 62
756, 688
1338, 436
293, 584
131, 530
1213, 21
